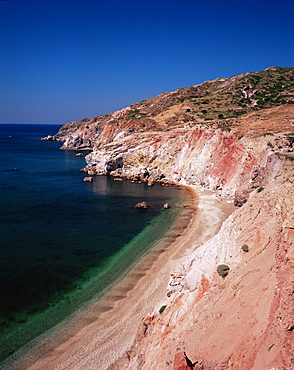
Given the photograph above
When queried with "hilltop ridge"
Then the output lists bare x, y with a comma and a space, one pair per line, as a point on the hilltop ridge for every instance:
216, 104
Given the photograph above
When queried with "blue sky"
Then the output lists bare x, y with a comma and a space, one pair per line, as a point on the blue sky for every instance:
65, 60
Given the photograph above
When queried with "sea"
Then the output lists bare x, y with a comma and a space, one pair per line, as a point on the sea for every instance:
65, 242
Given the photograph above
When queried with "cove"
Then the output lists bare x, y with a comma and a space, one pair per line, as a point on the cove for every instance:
65, 242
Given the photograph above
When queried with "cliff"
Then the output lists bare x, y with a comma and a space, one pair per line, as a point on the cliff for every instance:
226, 135
220, 160
242, 321
233, 136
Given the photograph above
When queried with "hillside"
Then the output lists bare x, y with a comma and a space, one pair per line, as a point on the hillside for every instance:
233, 137
215, 104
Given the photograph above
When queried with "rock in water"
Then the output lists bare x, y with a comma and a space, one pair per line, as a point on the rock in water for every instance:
142, 205
88, 179
48, 138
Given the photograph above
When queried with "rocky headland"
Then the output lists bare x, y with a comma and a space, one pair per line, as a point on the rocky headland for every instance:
235, 138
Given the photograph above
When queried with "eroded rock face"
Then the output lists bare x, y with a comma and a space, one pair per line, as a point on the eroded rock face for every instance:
217, 160
244, 321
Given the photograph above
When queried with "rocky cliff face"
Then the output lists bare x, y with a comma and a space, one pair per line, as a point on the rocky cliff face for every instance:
242, 321
235, 137
226, 135
215, 159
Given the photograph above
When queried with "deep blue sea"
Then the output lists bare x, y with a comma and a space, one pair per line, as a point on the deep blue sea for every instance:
64, 241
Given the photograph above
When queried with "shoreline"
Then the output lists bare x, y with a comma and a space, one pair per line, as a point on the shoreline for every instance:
104, 341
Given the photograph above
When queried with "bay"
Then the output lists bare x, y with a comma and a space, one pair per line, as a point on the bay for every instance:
64, 241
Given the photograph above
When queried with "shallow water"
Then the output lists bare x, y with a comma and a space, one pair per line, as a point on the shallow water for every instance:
63, 241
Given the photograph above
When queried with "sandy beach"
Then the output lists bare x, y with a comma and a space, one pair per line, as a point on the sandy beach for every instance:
104, 340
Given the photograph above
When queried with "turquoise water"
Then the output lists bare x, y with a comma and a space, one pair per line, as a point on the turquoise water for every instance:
64, 241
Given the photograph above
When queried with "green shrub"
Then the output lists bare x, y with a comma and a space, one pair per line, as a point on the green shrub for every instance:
260, 189
245, 248
223, 270
290, 157
291, 140
162, 309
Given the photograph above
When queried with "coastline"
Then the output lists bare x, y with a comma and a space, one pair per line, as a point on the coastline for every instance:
105, 340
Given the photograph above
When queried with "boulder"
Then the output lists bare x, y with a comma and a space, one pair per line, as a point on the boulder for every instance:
166, 206
142, 205
150, 182
241, 197
88, 179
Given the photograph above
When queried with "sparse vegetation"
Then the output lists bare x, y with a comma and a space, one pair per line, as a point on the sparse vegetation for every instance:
162, 309
291, 139
270, 347
223, 270
220, 100
220, 103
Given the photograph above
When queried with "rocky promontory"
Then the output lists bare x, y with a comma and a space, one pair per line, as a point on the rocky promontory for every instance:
229, 135
234, 137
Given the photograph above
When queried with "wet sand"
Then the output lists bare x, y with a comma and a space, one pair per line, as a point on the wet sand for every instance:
104, 340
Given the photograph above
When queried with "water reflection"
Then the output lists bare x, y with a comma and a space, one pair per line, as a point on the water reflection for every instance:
106, 185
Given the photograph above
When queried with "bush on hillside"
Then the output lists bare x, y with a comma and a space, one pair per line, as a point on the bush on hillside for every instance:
245, 248
162, 309
223, 270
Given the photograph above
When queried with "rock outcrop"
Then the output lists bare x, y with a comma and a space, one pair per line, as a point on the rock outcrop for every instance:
235, 137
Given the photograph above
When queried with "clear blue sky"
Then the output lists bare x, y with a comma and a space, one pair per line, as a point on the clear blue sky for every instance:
64, 60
